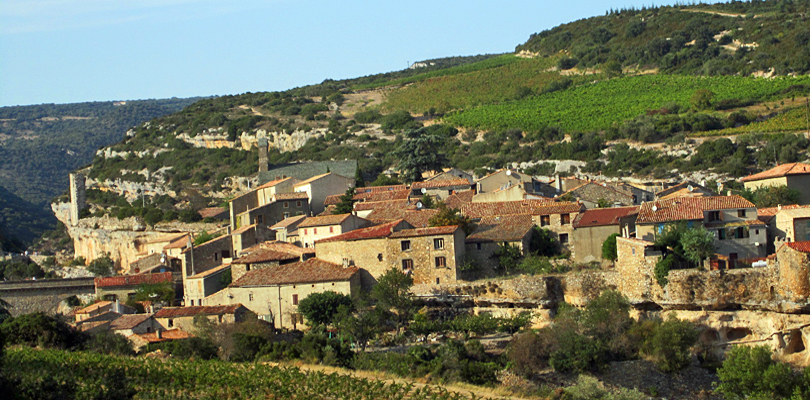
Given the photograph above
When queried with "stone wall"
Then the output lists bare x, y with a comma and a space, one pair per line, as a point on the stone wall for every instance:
44, 295
369, 255
207, 255
423, 255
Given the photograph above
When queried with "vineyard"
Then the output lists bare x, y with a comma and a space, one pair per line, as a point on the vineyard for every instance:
91, 375
596, 106
479, 87
792, 120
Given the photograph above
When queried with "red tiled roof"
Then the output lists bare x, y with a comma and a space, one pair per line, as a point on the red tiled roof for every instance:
380, 188
603, 216
779, 171
324, 220
383, 195
129, 321
177, 243
243, 229
484, 209
502, 228
286, 222
291, 196
309, 271
212, 211
265, 255
273, 183
279, 246
175, 312
803, 247
131, 280
687, 208
440, 184
171, 334
419, 218
332, 199
668, 192
93, 307
374, 232
373, 205
456, 200
771, 211
431, 231
557, 208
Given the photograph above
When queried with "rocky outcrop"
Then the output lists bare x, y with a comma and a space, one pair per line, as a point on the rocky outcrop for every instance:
283, 141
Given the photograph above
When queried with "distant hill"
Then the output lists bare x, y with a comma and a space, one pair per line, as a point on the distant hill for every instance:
40, 144
21, 221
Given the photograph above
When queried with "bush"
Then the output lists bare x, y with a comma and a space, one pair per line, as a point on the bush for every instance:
751, 372
108, 342
321, 308
609, 248
39, 329
193, 347
102, 266
670, 343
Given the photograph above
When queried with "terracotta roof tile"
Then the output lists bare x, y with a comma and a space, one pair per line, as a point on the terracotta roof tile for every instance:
373, 205
210, 271
419, 218
557, 208
265, 255
332, 199
212, 211
687, 208
291, 196
171, 334
93, 307
430, 231
440, 184
334, 219
243, 229
273, 183
374, 232
779, 171
603, 216
803, 247
309, 271
178, 243
380, 188
175, 312
456, 200
502, 228
279, 246
129, 321
132, 280
668, 192
286, 222
485, 209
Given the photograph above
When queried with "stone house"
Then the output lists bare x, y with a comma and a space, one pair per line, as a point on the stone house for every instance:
418, 218
280, 206
792, 224
122, 288
438, 188
793, 175
495, 231
269, 254
456, 200
451, 173
183, 317
684, 189
732, 219
155, 263
208, 255
592, 193
258, 197
319, 187
287, 229
199, 286
313, 229
129, 325
506, 178
514, 193
794, 270
273, 293
365, 208
140, 340
592, 227
101, 307
640, 194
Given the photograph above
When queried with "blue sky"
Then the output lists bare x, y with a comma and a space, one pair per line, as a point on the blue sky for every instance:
66, 51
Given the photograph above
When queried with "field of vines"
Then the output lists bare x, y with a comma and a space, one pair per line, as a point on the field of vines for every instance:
598, 105
91, 375
476, 88
788, 121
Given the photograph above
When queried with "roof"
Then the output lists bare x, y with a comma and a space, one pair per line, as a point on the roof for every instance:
735, 224
484, 209
601, 186
440, 184
305, 170
374, 205
129, 321
557, 208
176, 312
313, 179
366, 189
502, 228
212, 212
177, 243
379, 195
286, 222
779, 171
430, 231
131, 280
273, 183
512, 172
334, 219
419, 218
167, 238
209, 272
374, 232
310, 271
171, 334
803, 247
680, 187
93, 307
291, 196
687, 208
243, 229
279, 246
264, 255
456, 199
603, 216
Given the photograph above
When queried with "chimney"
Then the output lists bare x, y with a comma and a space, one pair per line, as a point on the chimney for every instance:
557, 183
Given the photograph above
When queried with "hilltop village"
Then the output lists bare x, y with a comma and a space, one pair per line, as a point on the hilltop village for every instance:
296, 234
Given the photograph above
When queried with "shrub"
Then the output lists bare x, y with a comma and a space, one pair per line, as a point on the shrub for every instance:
321, 308
108, 342
609, 248
751, 372
670, 343
193, 347
39, 329
102, 266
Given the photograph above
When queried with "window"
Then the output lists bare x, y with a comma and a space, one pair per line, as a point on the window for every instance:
438, 243
216, 256
741, 213
192, 303
226, 254
545, 220
441, 262
295, 299
478, 246
247, 267
314, 231
171, 323
721, 234
405, 244
286, 215
260, 219
379, 257
407, 264
250, 296
286, 204
437, 281
298, 203
565, 219
331, 229
563, 238
714, 216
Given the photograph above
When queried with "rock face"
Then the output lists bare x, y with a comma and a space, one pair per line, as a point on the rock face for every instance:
217, 138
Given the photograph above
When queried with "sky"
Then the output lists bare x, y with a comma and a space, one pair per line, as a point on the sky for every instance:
68, 51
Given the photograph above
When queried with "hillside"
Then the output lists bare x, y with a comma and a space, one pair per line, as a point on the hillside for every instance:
40, 144
592, 90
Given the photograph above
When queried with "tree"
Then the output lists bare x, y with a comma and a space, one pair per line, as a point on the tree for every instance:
697, 244
542, 242
393, 294
609, 251
702, 99
772, 196
419, 153
427, 201
508, 256
451, 216
669, 344
321, 308
751, 372
358, 178
102, 266
346, 205
189, 215
385, 180
362, 324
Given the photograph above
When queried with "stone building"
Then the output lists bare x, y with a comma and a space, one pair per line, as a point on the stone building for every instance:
439, 189
495, 231
684, 189
316, 228
268, 254
592, 227
273, 293
450, 173
793, 175
319, 187
792, 224
591, 194
199, 286
183, 317
287, 229
122, 288
506, 178
732, 219
208, 255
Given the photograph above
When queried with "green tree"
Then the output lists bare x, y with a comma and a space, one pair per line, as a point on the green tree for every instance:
102, 266
358, 178
384, 180
751, 372
427, 201
451, 216
772, 196
346, 205
321, 308
189, 215
508, 256
362, 324
697, 244
609, 251
702, 99
420, 153
392, 294
669, 344
542, 242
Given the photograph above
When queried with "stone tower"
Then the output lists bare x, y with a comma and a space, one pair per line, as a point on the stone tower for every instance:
77, 198
262, 143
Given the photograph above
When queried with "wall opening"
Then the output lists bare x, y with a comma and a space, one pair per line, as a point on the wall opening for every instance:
795, 343
737, 333
709, 336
